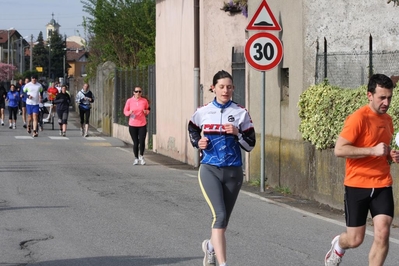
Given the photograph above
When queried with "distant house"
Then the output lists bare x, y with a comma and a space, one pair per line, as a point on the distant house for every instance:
76, 57
19, 52
15, 54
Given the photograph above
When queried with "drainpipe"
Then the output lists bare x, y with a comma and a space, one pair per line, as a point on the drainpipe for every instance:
196, 66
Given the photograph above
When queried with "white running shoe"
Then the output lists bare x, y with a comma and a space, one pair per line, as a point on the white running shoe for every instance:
209, 256
60, 132
333, 258
141, 159
136, 161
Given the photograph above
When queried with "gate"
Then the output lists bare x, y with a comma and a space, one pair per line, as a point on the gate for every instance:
238, 73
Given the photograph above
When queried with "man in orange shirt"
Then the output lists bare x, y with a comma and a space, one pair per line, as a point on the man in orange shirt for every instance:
364, 142
52, 93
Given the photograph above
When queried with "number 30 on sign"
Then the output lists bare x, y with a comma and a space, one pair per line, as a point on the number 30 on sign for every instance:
263, 51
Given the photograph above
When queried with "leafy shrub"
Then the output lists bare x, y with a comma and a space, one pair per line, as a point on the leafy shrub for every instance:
323, 109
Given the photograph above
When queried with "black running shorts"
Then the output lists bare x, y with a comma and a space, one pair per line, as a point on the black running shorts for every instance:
359, 201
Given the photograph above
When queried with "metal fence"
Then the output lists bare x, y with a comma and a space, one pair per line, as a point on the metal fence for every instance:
125, 81
352, 69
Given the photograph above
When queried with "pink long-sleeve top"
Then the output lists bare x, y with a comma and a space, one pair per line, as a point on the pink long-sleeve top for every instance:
136, 109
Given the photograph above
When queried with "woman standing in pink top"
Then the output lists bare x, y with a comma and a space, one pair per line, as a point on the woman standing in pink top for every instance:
137, 108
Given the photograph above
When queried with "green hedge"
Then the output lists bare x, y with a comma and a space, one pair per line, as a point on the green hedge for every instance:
323, 109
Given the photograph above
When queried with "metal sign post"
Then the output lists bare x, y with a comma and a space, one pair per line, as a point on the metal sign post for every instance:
262, 136
263, 51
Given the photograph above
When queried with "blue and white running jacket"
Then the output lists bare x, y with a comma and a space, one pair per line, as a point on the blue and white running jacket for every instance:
223, 149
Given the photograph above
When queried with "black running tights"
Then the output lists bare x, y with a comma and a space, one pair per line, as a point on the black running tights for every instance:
138, 135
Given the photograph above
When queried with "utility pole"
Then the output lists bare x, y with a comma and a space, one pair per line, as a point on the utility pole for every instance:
8, 53
49, 60
21, 69
31, 52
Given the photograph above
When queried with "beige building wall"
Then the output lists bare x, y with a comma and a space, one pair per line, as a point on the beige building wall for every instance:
281, 111
219, 32
290, 162
175, 77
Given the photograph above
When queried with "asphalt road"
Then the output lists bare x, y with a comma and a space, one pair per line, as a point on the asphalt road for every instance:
80, 201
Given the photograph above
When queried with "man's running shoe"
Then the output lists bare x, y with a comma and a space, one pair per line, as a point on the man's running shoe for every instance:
333, 258
35, 134
136, 161
10, 127
63, 134
24, 125
209, 256
141, 159
29, 130
60, 132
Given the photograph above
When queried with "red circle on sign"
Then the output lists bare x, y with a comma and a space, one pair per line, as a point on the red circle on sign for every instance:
255, 55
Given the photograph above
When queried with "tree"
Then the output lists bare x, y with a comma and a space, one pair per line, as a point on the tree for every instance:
40, 55
56, 51
120, 31
6, 71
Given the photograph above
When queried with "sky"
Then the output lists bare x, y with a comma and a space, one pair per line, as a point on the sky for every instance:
31, 16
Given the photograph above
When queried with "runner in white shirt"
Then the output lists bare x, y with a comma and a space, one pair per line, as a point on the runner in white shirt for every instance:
33, 91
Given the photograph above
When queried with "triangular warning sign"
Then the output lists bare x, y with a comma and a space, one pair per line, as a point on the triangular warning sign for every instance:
263, 19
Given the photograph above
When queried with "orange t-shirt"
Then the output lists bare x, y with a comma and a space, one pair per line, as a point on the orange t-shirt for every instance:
365, 128
52, 93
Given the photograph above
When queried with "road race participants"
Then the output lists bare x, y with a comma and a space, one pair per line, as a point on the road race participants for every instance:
34, 91
85, 98
23, 101
227, 128
13, 100
364, 142
52, 92
137, 108
3, 95
62, 101
19, 86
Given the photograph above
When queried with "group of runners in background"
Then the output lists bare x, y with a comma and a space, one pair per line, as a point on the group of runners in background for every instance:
27, 98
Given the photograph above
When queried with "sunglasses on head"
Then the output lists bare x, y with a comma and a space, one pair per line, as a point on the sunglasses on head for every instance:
137, 91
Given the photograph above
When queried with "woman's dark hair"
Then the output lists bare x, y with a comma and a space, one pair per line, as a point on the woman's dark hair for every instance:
221, 75
380, 80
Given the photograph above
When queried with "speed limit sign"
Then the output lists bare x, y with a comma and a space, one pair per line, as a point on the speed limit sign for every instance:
263, 51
